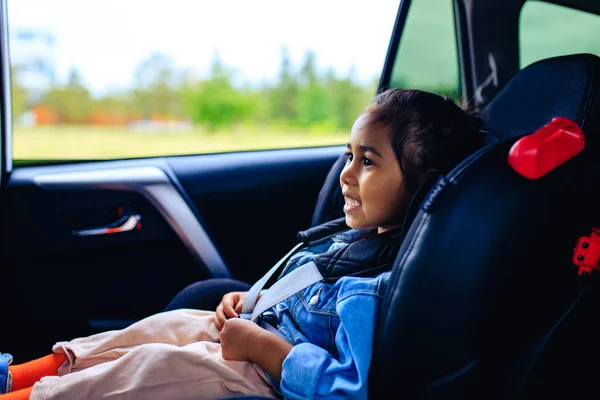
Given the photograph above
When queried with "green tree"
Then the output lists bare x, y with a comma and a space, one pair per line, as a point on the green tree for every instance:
155, 88
216, 102
349, 99
19, 94
71, 103
314, 100
283, 95
308, 71
115, 106
314, 105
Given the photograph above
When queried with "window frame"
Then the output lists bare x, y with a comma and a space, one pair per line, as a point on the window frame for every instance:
394, 45
460, 29
6, 101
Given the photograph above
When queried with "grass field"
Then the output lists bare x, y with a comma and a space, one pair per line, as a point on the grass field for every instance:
94, 143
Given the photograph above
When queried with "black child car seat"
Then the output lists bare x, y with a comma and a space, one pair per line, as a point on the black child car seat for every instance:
486, 271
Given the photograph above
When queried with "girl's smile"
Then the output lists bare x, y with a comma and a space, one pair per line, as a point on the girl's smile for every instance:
351, 204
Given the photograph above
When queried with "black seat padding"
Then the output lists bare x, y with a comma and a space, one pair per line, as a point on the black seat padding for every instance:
484, 274
330, 202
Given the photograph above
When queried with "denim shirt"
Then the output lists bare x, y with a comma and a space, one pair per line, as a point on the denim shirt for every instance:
332, 335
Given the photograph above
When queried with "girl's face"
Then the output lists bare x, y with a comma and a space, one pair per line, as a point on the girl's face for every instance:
372, 181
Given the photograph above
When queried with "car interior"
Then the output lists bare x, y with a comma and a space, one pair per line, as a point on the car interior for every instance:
485, 302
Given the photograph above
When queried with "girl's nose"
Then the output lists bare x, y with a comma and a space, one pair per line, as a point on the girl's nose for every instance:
346, 176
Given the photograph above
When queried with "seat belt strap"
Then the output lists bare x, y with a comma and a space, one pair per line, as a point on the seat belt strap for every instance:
250, 301
274, 330
290, 284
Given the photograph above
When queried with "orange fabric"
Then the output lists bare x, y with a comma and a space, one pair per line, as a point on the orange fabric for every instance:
22, 394
25, 375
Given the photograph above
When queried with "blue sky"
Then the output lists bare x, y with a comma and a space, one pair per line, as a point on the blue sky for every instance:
106, 39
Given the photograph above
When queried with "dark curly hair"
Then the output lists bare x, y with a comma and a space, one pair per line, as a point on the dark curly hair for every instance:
430, 134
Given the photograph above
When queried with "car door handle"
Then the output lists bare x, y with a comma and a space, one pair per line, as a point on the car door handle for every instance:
124, 224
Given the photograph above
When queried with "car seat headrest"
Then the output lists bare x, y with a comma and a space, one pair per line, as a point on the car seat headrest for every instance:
566, 86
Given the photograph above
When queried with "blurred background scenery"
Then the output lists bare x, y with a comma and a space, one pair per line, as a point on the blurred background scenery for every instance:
105, 79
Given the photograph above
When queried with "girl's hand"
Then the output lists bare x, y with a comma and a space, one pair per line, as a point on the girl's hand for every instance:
238, 338
243, 340
230, 307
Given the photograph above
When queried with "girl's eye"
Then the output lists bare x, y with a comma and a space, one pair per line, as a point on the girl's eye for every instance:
348, 157
367, 162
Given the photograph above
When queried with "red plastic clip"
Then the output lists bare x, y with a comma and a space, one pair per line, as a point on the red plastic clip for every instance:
533, 156
587, 253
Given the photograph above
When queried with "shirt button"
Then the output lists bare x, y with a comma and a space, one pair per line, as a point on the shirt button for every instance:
314, 300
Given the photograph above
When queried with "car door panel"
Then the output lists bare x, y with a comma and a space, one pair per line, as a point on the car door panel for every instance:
250, 199
77, 285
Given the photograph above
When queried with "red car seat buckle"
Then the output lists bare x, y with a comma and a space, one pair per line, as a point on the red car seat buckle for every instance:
587, 253
534, 155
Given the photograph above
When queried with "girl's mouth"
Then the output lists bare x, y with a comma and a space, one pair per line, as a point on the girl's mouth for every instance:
351, 204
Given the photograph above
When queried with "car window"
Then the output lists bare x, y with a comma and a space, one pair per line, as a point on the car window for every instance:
549, 30
427, 57
107, 79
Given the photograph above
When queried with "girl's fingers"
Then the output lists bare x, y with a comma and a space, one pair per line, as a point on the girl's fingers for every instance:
230, 306
229, 301
217, 323
220, 317
229, 311
239, 306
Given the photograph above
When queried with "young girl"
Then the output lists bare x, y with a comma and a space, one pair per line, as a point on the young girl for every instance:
320, 339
